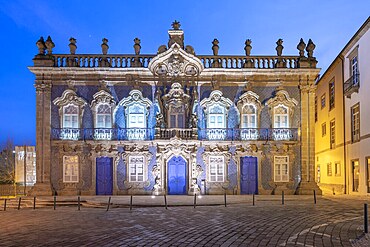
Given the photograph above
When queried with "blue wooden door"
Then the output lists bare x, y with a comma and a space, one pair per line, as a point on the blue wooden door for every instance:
176, 176
104, 176
248, 175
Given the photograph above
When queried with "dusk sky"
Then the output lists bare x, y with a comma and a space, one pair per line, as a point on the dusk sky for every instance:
329, 23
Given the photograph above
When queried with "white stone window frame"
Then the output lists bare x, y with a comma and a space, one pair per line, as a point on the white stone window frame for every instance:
278, 117
246, 99
282, 98
70, 173
131, 115
102, 97
69, 97
216, 115
135, 97
70, 115
139, 160
354, 66
279, 167
219, 167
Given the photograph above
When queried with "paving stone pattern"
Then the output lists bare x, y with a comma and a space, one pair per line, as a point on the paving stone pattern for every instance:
331, 222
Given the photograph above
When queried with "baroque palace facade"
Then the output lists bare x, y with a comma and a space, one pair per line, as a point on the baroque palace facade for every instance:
174, 122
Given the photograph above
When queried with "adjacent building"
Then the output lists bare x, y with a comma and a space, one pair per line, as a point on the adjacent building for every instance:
25, 165
174, 122
342, 143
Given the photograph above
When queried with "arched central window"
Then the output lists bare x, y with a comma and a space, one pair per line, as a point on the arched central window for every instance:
104, 116
216, 117
136, 116
281, 116
70, 116
249, 117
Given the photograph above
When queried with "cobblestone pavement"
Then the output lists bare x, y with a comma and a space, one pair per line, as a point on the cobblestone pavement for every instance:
331, 222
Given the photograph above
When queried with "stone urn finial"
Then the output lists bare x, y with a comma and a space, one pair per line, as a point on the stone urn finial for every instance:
72, 45
49, 45
310, 47
248, 47
137, 46
301, 45
215, 47
41, 46
279, 47
176, 25
104, 46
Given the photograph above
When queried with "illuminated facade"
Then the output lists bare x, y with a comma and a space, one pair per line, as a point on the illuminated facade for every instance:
342, 142
174, 122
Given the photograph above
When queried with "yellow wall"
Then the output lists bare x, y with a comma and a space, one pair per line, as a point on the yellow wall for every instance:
323, 154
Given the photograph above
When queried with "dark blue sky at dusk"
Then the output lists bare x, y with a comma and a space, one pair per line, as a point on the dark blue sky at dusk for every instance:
330, 24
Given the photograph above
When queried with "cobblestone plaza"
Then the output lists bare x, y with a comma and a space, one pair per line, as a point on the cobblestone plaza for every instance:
333, 221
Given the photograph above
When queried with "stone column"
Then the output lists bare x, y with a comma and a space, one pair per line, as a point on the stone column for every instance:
43, 143
308, 184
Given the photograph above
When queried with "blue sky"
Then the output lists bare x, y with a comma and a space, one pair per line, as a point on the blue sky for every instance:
329, 23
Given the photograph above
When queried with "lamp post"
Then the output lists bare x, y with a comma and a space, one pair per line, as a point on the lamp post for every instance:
25, 169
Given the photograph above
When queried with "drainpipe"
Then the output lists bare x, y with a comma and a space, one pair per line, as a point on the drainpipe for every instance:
344, 130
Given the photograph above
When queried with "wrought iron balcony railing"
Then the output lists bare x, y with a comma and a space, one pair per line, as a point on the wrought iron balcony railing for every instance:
352, 85
249, 134
212, 134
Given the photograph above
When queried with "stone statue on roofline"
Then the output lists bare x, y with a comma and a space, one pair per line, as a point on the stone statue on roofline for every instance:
49, 45
301, 46
176, 25
41, 46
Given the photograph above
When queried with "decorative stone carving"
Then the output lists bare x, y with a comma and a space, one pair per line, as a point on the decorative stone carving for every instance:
162, 49
248, 47
49, 45
279, 47
135, 96
282, 98
70, 97
102, 97
41, 46
310, 48
176, 35
104, 46
175, 62
215, 47
280, 63
215, 97
137, 46
190, 49
72, 45
176, 98
301, 46
176, 25
250, 98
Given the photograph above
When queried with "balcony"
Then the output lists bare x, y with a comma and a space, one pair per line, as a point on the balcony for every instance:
211, 134
184, 134
249, 134
352, 85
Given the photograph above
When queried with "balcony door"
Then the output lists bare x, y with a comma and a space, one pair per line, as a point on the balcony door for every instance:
176, 116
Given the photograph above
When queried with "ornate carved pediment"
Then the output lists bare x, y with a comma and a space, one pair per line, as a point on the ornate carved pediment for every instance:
102, 97
215, 97
248, 97
69, 97
175, 62
135, 96
176, 147
282, 98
